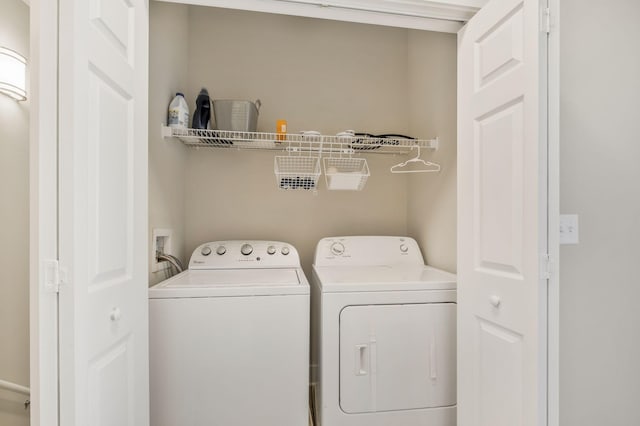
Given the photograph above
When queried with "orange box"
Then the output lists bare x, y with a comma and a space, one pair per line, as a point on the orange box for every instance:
281, 129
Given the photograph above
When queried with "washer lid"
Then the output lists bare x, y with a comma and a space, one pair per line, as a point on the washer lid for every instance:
232, 282
383, 278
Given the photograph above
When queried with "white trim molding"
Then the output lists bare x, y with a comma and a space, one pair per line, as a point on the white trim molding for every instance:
444, 16
43, 230
553, 381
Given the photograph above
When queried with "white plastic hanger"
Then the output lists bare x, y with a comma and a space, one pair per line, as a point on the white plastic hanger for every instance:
428, 165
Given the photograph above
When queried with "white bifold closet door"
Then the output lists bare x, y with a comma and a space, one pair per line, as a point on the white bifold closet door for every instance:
103, 100
502, 215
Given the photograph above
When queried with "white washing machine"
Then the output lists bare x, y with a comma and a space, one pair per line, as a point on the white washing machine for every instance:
383, 335
229, 338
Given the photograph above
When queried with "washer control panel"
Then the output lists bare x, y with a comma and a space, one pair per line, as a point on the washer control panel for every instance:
233, 254
367, 251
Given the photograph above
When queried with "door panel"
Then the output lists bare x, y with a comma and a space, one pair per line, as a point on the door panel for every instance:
502, 216
109, 201
103, 212
498, 138
500, 364
114, 20
110, 395
500, 49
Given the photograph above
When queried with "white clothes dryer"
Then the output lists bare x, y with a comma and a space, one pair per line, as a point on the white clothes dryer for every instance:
383, 335
229, 338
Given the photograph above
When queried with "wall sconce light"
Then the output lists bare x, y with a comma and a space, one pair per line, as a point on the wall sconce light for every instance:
13, 71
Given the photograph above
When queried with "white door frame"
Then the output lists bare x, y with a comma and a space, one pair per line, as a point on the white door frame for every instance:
43, 240
43, 63
553, 220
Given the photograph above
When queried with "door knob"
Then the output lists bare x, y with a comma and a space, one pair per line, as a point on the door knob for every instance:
115, 314
495, 301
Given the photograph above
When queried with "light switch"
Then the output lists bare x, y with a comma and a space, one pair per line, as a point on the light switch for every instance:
569, 229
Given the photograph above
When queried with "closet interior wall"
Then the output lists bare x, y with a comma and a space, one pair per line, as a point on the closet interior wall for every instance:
431, 202
168, 57
318, 75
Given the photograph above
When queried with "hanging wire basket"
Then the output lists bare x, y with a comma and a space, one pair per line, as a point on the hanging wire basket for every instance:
346, 174
297, 172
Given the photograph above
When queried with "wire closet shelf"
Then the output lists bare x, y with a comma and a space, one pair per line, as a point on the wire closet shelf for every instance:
293, 142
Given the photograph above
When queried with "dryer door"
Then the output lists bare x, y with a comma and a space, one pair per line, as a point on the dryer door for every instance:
397, 357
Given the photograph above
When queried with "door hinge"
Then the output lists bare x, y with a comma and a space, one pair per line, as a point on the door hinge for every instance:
54, 276
546, 266
546, 20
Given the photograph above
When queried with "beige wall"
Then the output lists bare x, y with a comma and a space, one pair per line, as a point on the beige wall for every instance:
318, 75
235, 196
600, 181
14, 234
432, 99
167, 157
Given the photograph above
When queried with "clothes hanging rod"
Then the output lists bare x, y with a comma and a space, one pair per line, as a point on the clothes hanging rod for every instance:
14, 387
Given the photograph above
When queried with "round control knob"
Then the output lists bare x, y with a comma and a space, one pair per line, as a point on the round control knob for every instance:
206, 251
285, 251
221, 250
271, 250
337, 249
246, 249
404, 248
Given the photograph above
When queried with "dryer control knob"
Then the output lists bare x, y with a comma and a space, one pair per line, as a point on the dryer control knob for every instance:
246, 249
285, 250
206, 251
337, 249
221, 250
404, 248
271, 250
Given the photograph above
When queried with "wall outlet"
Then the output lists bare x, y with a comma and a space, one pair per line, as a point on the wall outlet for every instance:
569, 229
161, 242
